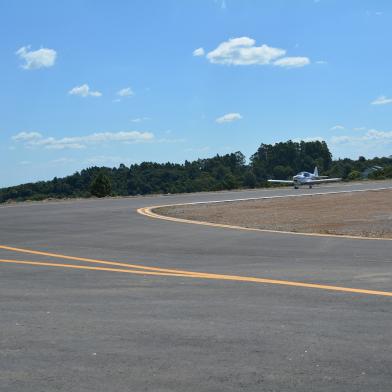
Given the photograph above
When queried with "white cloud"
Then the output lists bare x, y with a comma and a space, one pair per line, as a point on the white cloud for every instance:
140, 119
381, 100
373, 13
243, 51
35, 139
26, 136
167, 140
84, 91
359, 129
341, 139
35, 59
198, 52
292, 62
373, 134
337, 128
369, 136
125, 92
229, 117
371, 143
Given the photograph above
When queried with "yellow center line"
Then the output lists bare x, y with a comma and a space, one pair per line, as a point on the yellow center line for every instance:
190, 274
86, 267
87, 260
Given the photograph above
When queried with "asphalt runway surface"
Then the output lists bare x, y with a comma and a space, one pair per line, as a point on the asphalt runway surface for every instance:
74, 324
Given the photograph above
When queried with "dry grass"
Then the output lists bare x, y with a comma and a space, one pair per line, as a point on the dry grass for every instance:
367, 214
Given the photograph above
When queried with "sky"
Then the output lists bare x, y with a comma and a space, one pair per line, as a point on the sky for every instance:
93, 82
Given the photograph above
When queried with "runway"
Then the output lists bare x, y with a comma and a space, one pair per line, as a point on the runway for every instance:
96, 297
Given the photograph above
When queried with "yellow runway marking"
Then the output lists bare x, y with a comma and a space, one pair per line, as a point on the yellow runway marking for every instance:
149, 212
85, 267
60, 256
179, 273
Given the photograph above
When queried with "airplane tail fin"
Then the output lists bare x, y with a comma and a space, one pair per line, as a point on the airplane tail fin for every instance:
316, 172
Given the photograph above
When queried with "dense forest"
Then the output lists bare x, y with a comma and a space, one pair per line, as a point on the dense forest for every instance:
230, 171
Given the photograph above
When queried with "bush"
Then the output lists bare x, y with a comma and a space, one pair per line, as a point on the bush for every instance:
354, 175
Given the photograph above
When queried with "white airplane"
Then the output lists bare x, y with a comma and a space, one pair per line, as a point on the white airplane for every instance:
306, 178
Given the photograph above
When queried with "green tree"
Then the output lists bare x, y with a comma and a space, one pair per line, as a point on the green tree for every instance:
230, 171
101, 185
282, 172
250, 179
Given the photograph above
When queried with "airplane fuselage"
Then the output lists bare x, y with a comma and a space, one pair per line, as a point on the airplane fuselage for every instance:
303, 178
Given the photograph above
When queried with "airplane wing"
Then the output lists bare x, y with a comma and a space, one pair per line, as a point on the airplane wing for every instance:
324, 180
282, 181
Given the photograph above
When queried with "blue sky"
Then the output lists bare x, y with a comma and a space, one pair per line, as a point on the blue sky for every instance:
101, 83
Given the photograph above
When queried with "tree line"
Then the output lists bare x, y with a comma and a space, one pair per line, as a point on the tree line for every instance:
221, 172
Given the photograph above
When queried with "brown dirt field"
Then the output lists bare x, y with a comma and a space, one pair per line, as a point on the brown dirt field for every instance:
367, 214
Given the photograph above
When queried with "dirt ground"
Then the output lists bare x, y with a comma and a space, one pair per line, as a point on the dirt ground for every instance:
367, 214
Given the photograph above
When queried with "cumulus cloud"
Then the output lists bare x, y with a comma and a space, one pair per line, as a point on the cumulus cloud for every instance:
125, 92
229, 117
35, 59
198, 52
84, 91
243, 51
292, 62
35, 139
382, 100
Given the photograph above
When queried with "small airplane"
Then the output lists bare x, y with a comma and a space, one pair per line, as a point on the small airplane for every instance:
306, 178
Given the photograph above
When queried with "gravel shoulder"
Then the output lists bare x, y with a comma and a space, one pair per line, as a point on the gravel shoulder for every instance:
367, 214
